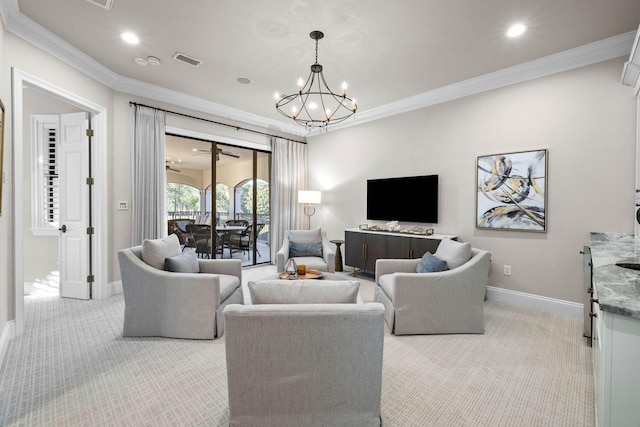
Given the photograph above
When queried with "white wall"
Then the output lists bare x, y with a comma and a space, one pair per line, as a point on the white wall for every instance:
584, 117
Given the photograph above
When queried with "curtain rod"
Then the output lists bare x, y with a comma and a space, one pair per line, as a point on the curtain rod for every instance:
217, 123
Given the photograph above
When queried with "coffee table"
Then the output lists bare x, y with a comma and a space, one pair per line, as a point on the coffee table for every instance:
325, 276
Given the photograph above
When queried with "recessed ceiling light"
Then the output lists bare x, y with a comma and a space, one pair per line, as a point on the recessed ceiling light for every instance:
153, 60
130, 37
516, 30
243, 80
141, 61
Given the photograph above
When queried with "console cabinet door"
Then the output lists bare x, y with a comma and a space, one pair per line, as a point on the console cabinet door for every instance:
420, 246
362, 249
374, 250
354, 247
398, 247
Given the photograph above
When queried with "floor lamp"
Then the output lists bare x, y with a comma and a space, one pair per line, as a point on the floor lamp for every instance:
309, 198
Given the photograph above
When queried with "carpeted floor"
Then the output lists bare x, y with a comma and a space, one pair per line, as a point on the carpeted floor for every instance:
73, 368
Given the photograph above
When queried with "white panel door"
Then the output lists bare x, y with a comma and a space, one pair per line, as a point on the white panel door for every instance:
73, 157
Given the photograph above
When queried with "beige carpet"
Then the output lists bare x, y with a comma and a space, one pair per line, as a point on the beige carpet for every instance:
73, 368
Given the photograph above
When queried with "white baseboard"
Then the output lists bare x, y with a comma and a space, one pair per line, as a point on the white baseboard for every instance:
107, 290
117, 287
558, 307
8, 333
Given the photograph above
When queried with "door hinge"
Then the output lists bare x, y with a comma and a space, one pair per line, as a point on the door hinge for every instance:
90, 230
89, 132
90, 181
90, 279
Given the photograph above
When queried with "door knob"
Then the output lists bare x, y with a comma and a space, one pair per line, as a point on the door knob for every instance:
63, 228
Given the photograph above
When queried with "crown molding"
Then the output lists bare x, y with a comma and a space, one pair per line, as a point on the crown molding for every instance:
161, 94
27, 29
32, 32
592, 53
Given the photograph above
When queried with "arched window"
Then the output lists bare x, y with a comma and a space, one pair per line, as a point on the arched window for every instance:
222, 201
183, 201
243, 197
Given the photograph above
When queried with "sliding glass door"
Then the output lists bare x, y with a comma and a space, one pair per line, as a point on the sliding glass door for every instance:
233, 220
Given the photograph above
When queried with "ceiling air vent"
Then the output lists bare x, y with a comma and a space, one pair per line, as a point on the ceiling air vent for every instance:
187, 59
105, 4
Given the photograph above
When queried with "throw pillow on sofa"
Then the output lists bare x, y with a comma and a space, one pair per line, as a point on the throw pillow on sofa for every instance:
454, 253
431, 264
154, 251
186, 262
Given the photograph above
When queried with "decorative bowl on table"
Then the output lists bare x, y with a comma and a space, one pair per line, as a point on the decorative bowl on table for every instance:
310, 274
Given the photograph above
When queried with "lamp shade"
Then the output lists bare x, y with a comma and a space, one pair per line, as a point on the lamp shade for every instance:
309, 196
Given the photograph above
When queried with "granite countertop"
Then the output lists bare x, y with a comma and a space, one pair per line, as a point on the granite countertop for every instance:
618, 288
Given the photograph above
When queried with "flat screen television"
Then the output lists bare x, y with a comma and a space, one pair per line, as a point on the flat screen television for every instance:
409, 199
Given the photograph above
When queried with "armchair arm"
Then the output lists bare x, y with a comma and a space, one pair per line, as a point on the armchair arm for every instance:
466, 284
283, 255
232, 267
141, 281
388, 266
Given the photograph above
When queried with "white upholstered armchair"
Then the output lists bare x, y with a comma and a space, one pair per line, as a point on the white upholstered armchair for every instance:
176, 304
308, 247
440, 302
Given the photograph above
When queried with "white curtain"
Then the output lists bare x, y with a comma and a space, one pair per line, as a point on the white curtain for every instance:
289, 174
148, 175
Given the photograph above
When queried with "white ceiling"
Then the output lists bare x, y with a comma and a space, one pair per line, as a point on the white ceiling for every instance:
388, 51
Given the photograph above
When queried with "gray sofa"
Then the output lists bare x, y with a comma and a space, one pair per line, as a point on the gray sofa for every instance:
177, 305
304, 364
445, 302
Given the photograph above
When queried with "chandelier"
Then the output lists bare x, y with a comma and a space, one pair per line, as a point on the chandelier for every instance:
315, 105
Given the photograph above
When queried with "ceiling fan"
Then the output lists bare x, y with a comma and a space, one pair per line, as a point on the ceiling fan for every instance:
168, 167
219, 151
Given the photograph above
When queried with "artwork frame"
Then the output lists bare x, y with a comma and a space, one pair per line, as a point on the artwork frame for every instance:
2, 126
511, 191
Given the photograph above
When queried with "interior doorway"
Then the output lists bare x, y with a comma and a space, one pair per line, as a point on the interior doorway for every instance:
23, 84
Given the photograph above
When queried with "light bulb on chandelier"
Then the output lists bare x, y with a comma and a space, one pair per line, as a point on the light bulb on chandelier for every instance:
313, 94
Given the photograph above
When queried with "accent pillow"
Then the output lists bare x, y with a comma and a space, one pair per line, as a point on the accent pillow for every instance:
454, 253
430, 264
298, 249
304, 291
186, 262
156, 250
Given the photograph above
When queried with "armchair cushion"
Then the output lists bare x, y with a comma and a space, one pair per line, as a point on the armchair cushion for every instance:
298, 249
186, 262
430, 263
304, 292
154, 251
314, 235
454, 253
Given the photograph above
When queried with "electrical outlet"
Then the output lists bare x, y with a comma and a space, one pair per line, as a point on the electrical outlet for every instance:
507, 270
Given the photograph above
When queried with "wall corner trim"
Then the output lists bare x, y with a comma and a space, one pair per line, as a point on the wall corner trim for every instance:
555, 306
